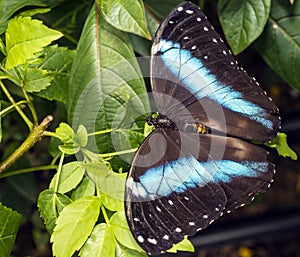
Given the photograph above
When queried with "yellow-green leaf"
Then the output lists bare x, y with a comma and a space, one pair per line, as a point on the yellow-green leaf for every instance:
74, 225
24, 37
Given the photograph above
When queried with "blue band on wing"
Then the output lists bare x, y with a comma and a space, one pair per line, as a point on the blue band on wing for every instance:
202, 83
179, 175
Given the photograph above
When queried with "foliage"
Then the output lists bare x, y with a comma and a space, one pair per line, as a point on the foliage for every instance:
98, 98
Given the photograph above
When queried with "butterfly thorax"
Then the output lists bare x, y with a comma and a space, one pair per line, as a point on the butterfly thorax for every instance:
164, 122
161, 121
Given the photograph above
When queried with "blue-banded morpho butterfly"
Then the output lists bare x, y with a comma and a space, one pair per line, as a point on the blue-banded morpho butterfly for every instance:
198, 162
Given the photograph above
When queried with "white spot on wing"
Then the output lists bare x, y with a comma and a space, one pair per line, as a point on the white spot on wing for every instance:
136, 219
205, 216
157, 208
198, 19
194, 47
166, 237
189, 11
180, 8
205, 57
171, 22
215, 40
205, 28
178, 230
152, 241
192, 223
170, 202
140, 239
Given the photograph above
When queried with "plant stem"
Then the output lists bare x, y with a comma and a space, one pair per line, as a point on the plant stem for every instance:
31, 107
27, 170
103, 155
59, 171
104, 214
19, 110
35, 135
9, 108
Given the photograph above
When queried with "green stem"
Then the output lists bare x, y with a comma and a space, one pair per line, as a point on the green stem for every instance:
104, 155
104, 214
35, 135
51, 134
19, 110
59, 171
101, 132
27, 170
31, 107
13, 106
108, 131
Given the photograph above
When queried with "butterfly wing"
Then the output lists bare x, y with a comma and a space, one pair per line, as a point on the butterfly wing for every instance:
193, 70
181, 182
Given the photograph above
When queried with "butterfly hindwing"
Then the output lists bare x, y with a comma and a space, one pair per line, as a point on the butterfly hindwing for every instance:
192, 64
189, 185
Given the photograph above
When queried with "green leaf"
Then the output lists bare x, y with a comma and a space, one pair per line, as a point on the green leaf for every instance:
279, 45
122, 251
36, 80
85, 188
74, 225
50, 205
32, 79
2, 47
161, 8
70, 176
81, 136
243, 21
126, 15
101, 242
24, 37
97, 168
106, 86
53, 147
9, 224
122, 232
148, 129
65, 133
58, 62
112, 186
280, 143
184, 245
32, 12
69, 149
9, 7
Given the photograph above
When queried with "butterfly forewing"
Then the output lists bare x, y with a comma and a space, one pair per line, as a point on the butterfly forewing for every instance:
191, 63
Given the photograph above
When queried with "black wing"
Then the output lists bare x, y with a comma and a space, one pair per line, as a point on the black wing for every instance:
181, 182
193, 71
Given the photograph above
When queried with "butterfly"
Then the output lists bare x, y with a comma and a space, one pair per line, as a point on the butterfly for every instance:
198, 163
